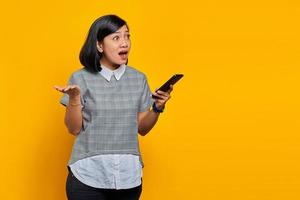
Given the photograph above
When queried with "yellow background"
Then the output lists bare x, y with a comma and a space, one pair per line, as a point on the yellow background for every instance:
230, 130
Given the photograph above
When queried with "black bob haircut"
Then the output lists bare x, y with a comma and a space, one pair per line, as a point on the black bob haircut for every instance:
89, 55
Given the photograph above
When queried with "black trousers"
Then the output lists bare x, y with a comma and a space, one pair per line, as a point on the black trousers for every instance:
77, 190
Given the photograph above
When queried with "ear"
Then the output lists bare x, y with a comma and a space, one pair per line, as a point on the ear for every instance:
99, 47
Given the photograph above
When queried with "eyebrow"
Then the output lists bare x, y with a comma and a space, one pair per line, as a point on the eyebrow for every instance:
120, 32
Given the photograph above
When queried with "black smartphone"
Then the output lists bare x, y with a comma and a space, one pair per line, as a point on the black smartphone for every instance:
166, 86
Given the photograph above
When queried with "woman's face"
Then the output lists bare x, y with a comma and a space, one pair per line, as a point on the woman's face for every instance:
115, 48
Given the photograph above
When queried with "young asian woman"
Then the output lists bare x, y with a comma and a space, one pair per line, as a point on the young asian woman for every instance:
108, 103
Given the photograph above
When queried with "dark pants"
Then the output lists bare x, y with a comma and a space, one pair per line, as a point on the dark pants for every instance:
77, 190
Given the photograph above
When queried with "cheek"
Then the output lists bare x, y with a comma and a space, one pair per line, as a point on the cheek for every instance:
110, 52
112, 49
109, 47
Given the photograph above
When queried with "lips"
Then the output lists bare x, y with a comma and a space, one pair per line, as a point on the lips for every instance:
123, 54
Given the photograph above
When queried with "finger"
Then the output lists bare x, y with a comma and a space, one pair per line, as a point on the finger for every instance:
160, 103
163, 93
155, 93
165, 98
57, 87
66, 88
162, 98
160, 92
157, 96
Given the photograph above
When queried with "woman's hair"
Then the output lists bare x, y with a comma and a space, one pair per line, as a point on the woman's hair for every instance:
89, 55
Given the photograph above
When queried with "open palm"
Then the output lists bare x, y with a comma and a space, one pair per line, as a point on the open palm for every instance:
71, 90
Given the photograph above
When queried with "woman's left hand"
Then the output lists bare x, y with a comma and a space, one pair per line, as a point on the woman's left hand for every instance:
162, 97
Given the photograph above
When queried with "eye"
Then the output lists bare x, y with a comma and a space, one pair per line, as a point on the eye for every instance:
128, 36
116, 38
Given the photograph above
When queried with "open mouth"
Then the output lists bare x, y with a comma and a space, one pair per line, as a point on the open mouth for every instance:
123, 54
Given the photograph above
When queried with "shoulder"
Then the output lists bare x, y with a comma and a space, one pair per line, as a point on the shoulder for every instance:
134, 72
81, 73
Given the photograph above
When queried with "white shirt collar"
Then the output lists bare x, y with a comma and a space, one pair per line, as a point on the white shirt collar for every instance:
108, 73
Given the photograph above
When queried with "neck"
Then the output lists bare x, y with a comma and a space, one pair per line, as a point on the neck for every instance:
109, 65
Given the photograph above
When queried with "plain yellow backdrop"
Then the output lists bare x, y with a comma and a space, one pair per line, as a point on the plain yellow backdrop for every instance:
230, 130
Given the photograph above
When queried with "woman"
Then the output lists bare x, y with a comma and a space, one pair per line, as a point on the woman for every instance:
107, 104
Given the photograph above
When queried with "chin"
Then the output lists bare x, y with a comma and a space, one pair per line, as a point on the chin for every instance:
119, 63
123, 62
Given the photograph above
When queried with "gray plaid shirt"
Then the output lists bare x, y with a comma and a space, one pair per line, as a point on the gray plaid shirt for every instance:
109, 110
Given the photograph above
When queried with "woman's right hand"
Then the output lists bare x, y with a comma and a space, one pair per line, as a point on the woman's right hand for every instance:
72, 90
73, 116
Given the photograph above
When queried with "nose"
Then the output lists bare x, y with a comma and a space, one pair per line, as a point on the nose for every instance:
124, 42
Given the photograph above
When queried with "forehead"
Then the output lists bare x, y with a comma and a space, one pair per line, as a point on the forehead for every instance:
123, 29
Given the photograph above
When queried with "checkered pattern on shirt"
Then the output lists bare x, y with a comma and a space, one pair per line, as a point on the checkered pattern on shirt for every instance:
109, 112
